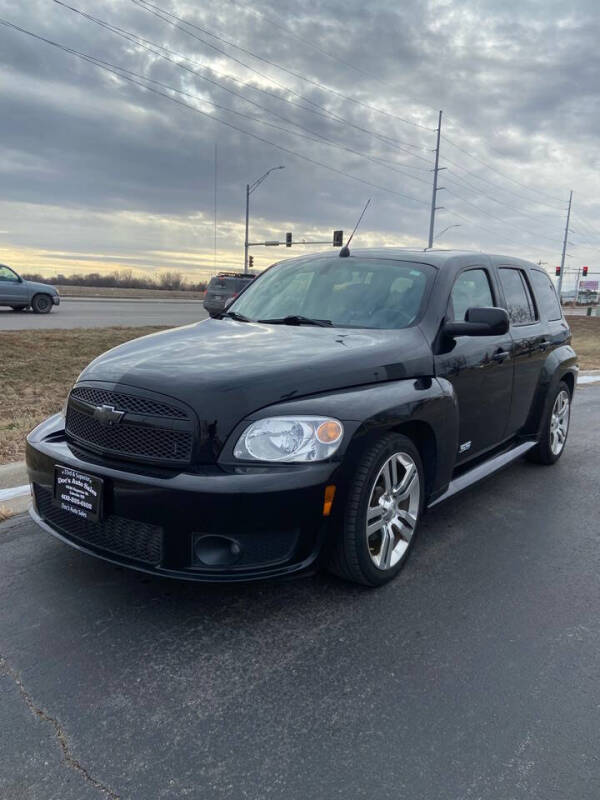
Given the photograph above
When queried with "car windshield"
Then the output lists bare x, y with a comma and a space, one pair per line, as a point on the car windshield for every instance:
347, 292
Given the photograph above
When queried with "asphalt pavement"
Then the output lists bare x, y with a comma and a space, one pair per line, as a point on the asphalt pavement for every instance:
473, 676
105, 312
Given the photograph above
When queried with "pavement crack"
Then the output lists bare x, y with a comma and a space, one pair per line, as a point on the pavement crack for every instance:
43, 716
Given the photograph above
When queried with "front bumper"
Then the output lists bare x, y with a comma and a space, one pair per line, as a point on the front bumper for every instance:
56, 299
160, 522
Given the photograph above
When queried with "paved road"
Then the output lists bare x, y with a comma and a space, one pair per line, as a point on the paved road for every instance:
473, 676
101, 313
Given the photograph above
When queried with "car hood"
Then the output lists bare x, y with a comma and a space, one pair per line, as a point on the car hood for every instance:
41, 287
225, 369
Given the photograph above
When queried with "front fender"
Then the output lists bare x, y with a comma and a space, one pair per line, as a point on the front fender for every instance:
558, 364
368, 412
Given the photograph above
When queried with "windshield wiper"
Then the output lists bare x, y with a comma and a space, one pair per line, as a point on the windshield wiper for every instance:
298, 319
234, 315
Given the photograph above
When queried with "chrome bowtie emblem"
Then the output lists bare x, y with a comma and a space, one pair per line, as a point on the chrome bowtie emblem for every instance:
108, 415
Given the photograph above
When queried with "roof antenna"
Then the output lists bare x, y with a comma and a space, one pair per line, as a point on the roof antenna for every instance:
345, 251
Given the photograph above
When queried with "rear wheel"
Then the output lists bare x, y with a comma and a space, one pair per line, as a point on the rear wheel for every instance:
382, 513
555, 428
42, 304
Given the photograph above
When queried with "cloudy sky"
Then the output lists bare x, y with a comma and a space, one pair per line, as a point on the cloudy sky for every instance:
108, 158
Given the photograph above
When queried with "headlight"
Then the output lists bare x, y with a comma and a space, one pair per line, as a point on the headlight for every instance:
290, 439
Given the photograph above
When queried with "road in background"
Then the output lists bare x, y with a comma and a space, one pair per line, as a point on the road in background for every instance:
474, 675
105, 313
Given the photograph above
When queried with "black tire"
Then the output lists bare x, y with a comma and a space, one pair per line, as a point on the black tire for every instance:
543, 452
351, 556
41, 304
19, 308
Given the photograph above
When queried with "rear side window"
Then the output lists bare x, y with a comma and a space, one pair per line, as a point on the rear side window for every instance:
519, 302
471, 290
545, 295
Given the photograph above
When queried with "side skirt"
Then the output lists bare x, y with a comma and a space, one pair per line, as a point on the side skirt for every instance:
482, 471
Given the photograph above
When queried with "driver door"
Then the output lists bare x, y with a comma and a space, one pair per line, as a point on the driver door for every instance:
479, 368
12, 289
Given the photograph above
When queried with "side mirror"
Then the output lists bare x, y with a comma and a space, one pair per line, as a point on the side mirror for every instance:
480, 322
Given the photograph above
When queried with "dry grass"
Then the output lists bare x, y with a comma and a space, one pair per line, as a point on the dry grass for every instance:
5, 513
37, 369
586, 340
128, 294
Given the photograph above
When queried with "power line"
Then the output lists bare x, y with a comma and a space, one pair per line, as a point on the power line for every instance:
153, 9
586, 226
316, 47
148, 45
494, 217
479, 192
118, 71
497, 186
312, 134
494, 169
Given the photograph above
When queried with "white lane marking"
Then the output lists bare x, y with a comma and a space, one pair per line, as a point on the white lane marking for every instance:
16, 491
588, 379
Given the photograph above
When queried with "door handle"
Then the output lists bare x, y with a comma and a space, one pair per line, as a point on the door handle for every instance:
500, 355
543, 344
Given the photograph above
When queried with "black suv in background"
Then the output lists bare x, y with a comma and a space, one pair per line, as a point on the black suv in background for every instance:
313, 422
225, 287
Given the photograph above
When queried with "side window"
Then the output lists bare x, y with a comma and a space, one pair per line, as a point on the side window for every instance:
519, 302
545, 295
6, 274
471, 290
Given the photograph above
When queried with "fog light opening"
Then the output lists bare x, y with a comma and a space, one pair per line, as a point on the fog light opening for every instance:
216, 551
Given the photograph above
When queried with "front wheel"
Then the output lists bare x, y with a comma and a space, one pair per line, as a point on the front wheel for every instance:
384, 505
42, 304
555, 428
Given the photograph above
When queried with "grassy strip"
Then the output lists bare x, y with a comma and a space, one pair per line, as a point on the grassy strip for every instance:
37, 369
128, 294
586, 340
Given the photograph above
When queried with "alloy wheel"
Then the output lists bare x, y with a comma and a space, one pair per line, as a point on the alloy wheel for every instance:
392, 511
559, 421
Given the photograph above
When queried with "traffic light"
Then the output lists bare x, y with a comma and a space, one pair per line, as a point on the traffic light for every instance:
585, 271
250, 261
288, 239
338, 238
557, 271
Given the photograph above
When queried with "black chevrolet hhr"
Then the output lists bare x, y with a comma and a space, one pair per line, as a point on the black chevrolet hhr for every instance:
313, 422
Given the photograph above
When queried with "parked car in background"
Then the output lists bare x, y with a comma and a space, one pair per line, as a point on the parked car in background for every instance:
313, 422
20, 294
225, 287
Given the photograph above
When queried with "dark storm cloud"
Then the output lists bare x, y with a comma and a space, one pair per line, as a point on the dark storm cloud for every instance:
517, 82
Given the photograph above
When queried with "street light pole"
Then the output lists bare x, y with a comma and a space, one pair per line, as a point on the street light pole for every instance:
247, 216
250, 187
441, 233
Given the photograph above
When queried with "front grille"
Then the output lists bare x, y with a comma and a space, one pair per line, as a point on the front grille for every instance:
150, 430
135, 441
126, 402
136, 540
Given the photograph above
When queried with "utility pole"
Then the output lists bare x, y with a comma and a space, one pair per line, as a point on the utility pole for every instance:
215, 204
564, 249
436, 169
